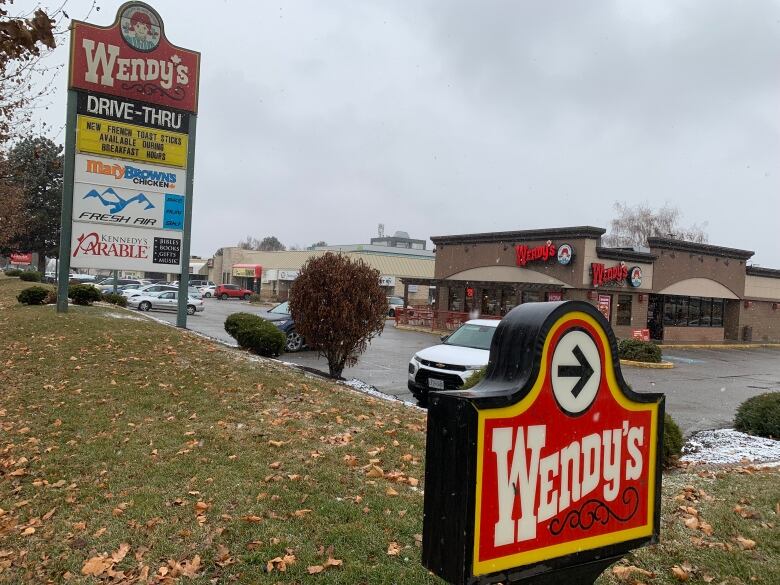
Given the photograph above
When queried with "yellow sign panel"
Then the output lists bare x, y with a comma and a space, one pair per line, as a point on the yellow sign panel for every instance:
245, 272
116, 139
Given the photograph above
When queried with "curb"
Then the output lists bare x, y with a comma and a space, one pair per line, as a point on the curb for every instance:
648, 365
721, 346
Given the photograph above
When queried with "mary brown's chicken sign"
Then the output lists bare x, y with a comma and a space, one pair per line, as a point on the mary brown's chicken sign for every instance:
550, 468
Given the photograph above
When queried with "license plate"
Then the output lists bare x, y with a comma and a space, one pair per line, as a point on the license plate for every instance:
436, 383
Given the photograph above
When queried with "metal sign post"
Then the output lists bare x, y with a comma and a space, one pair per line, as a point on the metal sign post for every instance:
549, 470
129, 149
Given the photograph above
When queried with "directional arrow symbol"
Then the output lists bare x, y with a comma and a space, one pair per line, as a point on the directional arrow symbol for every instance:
584, 371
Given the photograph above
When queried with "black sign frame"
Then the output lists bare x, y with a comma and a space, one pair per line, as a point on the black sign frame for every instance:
451, 454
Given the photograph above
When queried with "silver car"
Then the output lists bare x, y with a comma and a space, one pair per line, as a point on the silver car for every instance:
166, 300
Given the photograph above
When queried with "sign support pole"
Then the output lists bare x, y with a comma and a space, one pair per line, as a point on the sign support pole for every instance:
184, 279
66, 214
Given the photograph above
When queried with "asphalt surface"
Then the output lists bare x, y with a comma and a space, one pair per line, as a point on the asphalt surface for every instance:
703, 390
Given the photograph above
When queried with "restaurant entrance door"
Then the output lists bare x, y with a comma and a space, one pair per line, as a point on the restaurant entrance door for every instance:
655, 317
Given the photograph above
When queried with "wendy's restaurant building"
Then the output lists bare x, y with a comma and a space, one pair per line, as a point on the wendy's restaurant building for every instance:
672, 291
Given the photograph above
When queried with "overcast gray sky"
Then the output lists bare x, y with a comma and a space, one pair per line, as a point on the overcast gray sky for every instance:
319, 120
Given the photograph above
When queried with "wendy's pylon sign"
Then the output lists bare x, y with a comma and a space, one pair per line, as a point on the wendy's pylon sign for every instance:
548, 470
129, 150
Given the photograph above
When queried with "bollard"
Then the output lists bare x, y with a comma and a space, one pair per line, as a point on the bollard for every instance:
549, 470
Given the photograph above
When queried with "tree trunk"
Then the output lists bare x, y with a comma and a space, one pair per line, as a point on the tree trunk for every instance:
336, 367
41, 263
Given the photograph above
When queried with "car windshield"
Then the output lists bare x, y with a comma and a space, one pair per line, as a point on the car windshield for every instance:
471, 335
283, 309
395, 300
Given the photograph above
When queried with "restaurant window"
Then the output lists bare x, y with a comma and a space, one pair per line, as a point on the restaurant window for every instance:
624, 310
717, 312
693, 312
491, 301
531, 296
456, 298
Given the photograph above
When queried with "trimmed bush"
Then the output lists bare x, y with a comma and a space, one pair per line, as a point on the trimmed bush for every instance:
639, 351
261, 338
760, 416
35, 295
13, 272
673, 441
115, 299
474, 379
237, 321
30, 276
51, 297
83, 294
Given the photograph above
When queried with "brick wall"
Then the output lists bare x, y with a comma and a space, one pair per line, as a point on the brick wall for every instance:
764, 320
694, 334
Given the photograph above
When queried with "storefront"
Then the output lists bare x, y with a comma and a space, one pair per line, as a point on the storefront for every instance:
279, 270
672, 291
248, 276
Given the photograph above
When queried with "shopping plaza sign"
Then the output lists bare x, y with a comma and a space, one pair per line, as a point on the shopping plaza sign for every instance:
129, 149
550, 468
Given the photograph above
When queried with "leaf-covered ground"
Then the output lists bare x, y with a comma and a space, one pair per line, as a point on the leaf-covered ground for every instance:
131, 452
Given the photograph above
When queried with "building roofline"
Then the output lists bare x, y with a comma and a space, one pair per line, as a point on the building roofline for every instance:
522, 235
697, 248
620, 254
761, 271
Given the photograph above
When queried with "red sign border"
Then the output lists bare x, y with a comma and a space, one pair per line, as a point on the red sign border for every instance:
163, 37
588, 543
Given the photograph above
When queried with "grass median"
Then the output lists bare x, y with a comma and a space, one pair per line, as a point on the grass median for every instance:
134, 452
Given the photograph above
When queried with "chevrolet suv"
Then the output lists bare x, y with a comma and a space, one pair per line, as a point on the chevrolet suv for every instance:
448, 365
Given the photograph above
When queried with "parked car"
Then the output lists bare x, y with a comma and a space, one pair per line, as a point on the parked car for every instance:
107, 285
201, 283
232, 291
165, 300
208, 291
145, 289
280, 316
394, 303
448, 365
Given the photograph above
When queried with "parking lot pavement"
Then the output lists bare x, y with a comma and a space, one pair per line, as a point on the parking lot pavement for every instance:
384, 365
703, 390
706, 386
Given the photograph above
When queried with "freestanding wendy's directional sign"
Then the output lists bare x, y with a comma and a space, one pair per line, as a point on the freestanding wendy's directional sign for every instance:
129, 150
549, 470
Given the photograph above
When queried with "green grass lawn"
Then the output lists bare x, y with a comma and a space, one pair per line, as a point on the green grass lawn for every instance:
147, 454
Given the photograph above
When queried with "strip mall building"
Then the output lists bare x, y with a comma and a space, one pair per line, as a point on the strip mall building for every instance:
678, 291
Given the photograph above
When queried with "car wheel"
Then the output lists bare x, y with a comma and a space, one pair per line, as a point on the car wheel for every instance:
294, 342
391, 313
246, 297
224, 296
207, 295
190, 309
145, 306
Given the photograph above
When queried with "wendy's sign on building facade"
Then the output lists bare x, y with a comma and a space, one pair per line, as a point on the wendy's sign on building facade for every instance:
129, 150
548, 470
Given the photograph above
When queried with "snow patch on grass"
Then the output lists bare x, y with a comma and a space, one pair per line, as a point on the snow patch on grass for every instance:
729, 446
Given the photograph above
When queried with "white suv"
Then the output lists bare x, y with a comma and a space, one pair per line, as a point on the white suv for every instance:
448, 365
